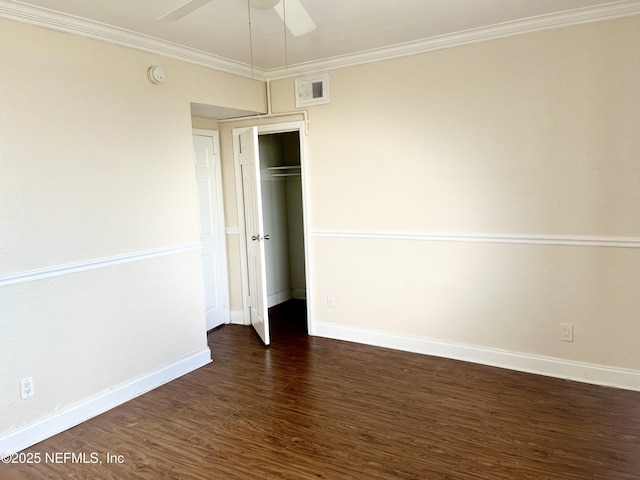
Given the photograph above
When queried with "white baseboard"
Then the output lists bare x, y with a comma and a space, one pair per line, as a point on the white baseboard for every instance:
278, 297
284, 295
237, 317
552, 367
98, 404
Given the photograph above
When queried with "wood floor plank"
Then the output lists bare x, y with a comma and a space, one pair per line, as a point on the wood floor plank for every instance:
312, 408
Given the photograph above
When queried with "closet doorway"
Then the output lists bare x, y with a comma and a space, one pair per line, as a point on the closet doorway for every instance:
271, 203
281, 189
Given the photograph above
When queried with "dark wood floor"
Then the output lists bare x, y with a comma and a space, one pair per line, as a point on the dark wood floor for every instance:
310, 408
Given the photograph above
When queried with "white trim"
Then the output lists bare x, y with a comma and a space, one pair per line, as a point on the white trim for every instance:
98, 404
104, 262
558, 240
232, 231
528, 25
295, 126
66, 23
552, 367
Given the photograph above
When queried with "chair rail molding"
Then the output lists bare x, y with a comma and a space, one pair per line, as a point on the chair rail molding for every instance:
519, 239
93, 264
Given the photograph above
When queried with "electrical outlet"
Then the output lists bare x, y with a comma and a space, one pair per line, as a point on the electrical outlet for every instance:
331, 301
26, 388
566, 332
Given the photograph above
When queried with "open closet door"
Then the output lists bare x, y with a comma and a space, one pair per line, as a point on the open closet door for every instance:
255, 235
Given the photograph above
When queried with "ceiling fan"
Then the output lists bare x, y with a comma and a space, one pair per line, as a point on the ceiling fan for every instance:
292, 13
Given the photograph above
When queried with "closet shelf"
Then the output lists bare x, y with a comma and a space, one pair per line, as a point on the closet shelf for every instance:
285, 171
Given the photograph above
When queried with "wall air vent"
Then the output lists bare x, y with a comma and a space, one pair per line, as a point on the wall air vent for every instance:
312, 90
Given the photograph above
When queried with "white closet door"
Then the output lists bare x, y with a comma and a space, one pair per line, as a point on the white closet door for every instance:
255, 235
211, 230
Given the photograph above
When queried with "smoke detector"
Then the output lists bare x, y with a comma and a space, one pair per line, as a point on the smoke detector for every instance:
156, 74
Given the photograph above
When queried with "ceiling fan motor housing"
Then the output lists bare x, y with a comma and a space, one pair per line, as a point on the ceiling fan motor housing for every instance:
263, 4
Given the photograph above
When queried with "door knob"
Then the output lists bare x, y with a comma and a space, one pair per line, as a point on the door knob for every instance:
266, 237
255, 237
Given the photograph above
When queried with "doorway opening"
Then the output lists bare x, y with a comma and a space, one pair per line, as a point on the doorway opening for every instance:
270, 177
281, 189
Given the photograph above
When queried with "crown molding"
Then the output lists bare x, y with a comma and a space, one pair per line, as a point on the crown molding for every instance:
21, 12
50, 19
624, 8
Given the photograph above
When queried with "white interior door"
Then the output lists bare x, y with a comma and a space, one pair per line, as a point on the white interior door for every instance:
207, 166
254, 232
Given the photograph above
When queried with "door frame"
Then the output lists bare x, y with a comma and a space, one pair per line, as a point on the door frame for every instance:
219, 215
297, 126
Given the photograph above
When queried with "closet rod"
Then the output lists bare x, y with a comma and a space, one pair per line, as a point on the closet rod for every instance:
284, 167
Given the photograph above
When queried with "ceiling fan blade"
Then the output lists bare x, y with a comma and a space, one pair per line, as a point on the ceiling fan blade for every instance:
298, 21
183, 10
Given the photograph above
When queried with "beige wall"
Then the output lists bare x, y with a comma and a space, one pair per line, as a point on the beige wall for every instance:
96, 164
532, 135
528, 136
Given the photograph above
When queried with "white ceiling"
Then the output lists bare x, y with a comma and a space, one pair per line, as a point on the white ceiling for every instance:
344, 27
